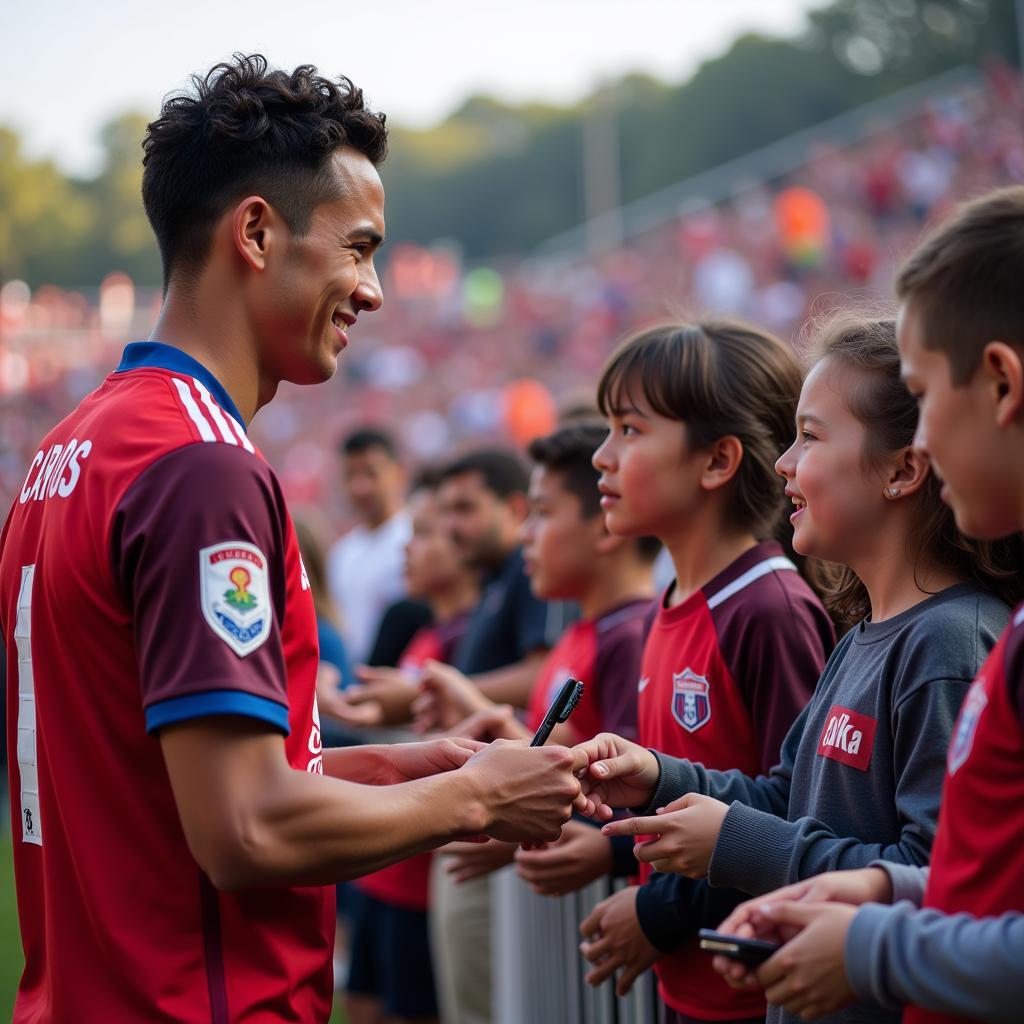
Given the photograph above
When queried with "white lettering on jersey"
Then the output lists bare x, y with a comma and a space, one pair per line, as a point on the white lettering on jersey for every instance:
840, 733
28, 768
66, 486
26, 490
316, 743
55, 472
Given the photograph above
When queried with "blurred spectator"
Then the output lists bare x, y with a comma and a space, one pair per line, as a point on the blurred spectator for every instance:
364, 568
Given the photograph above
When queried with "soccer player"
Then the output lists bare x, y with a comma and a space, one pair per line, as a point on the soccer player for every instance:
177, 820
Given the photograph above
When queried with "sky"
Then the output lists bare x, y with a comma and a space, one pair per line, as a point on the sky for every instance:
66, 67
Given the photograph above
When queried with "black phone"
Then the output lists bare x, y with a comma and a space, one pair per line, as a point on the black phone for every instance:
751, 952
561, 708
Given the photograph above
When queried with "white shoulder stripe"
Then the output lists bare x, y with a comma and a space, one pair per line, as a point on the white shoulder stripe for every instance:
214, 410
755, 573
1019, 617
240, 431
202, 424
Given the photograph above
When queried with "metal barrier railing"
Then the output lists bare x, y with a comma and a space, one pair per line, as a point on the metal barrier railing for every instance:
537, 968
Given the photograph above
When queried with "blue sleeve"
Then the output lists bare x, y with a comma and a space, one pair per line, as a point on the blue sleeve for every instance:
946, 963
759, 851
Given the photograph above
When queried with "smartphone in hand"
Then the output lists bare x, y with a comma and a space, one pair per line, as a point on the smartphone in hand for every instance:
751, 952
561, 708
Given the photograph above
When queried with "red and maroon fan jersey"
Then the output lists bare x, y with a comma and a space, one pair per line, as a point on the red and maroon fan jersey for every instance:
977, 864
724, 675
150, 575
603, 653
407, 883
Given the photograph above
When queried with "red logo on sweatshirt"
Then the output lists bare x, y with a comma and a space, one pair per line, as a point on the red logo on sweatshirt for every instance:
848, 736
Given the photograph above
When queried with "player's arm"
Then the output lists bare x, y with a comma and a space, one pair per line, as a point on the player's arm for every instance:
200, 552
386, 764
252, 820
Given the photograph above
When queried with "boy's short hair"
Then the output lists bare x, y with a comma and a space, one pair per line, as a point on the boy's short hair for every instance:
367, 438
965, 281
247, 129
569, 451
502, 471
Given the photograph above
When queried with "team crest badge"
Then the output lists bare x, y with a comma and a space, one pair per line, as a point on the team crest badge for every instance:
691, 700
235, 595
967, 725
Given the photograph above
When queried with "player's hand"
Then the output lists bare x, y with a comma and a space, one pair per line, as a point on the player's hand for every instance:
807, 976
687, 830
862, 885
571, 862
614, 941
408, 761
619, 773
446, 697
527, 793
476, 860
498, 722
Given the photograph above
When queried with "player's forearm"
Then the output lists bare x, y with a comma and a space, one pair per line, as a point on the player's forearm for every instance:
315, 830
512, 684
369, 764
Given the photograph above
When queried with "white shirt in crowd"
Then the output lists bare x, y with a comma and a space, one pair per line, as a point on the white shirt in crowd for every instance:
365, 574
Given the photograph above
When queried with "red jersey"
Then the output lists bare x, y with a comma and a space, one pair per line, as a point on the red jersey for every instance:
406, 883
603, 653
724, 675
149, 575
977, 863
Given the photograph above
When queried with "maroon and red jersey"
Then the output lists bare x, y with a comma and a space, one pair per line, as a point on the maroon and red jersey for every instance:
603, 653
724, 675
407, 882
150, 575
977, 864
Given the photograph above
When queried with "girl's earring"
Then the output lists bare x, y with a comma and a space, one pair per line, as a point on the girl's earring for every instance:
893, 492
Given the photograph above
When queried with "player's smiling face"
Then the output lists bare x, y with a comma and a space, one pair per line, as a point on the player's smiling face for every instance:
322, 281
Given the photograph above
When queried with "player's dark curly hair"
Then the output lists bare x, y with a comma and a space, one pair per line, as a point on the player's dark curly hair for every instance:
247, 129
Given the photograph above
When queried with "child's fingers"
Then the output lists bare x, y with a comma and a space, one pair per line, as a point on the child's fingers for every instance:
633, 827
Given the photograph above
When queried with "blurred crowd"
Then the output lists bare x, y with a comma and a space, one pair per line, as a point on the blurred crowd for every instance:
466, 354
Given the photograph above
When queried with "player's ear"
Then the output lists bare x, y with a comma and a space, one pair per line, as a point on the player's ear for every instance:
254, 229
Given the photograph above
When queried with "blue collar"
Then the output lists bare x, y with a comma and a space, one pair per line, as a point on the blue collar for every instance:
166, 357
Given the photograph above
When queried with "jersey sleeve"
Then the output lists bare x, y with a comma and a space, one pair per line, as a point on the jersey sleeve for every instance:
778, 654
619, 653
197, 547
